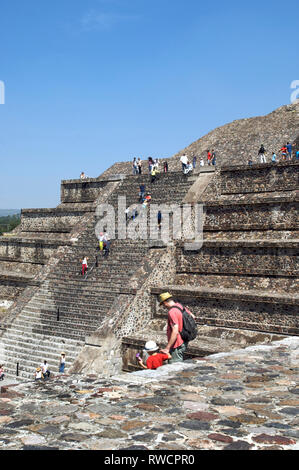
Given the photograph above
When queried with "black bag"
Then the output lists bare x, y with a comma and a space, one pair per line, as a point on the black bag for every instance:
189, 331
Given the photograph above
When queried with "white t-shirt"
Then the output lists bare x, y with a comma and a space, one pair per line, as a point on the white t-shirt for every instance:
84, 261
184, 159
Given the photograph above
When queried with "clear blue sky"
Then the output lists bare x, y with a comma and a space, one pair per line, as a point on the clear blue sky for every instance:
92, 82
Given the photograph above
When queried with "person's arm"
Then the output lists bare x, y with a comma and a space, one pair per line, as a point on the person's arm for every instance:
168, 356
141, 363
172, 339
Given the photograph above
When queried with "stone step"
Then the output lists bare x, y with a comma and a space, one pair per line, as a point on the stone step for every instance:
251, 235
30, 353
278, 284
55, 331
69, 329
48, 341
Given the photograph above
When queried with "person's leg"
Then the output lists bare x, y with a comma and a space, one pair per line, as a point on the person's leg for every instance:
177, 354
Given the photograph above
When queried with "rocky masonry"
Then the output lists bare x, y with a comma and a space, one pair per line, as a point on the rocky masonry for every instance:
235, 143
242, 285
242, 400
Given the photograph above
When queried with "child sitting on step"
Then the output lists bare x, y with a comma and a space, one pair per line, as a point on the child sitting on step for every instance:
155, 358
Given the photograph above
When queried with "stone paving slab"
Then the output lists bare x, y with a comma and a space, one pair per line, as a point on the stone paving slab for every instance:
241, 400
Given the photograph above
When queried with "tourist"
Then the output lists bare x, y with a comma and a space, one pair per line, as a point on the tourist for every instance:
175, 346
250, 162
84, 265
107, 247
135, 167
156, 164
165, 167
145, 204
201, 162
153, 174
62, 362
102, 239
289, 150
2, 372
139, 165
159, 219
146, 201
150, 164
261, 154
141, 192
155, 359
38, 374
184, 161
189, 167
283, 151
194, 161
134, 213
127, 213
83, 176
209, 157
274, 157
45, 369
297, 155
213, 158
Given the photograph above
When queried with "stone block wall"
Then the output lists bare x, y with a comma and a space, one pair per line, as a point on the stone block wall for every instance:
258, 258
81, 191
27, 250
278, 214
50, 220
259, 178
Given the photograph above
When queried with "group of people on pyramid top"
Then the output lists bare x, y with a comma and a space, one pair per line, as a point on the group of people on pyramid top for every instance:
189, 164
153, 166
286, 153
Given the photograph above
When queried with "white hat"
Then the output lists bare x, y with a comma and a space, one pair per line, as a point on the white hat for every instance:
150, 346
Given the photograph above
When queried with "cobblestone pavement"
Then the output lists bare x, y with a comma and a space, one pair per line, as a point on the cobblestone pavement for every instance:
243, 400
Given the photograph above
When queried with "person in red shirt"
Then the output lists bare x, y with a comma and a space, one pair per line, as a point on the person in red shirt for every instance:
209, 157
283, 152
175, 346
155, 358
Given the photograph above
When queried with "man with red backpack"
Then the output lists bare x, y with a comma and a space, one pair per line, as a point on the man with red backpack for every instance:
181, 328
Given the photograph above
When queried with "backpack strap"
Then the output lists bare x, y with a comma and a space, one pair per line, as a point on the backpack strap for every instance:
182, 310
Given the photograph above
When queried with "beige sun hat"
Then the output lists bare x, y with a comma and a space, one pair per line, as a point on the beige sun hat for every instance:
164, 296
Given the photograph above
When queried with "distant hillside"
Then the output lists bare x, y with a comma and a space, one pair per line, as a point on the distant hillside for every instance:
6, 212
9, 222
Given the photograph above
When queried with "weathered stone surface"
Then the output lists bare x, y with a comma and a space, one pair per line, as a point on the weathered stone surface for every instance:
35, 421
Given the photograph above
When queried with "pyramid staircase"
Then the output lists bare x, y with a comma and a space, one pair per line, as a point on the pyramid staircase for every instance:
64, 308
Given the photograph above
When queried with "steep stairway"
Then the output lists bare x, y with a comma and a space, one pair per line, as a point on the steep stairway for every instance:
68, 307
